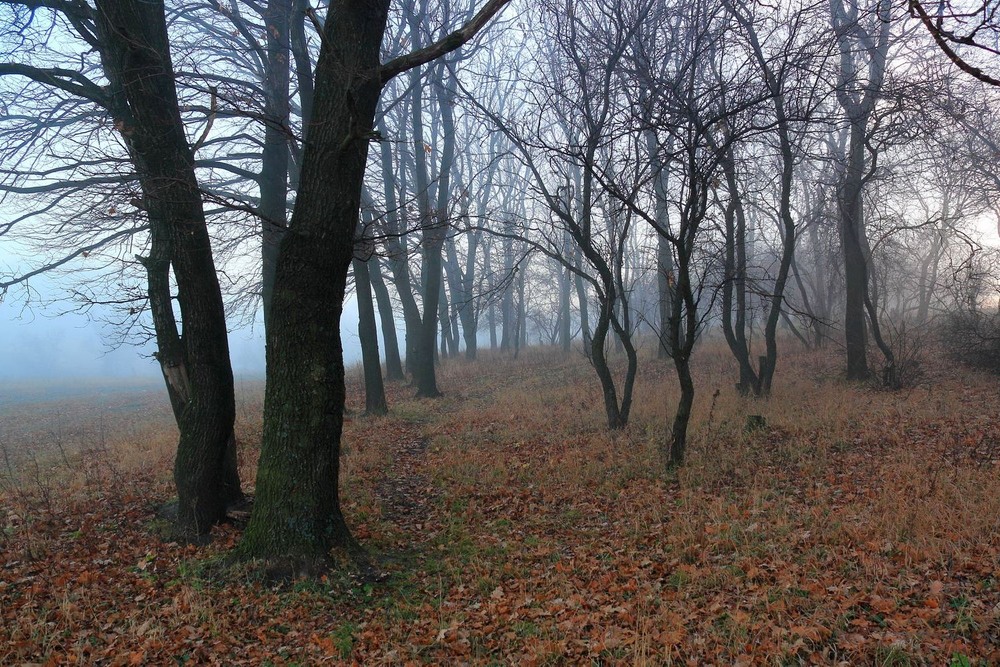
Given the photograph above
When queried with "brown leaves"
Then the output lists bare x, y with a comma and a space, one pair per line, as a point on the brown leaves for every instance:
519, 532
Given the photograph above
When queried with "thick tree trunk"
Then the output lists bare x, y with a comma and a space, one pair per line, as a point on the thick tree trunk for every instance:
297, 517
196, 365
297, 513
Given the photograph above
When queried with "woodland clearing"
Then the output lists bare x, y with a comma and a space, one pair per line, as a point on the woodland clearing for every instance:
509, 526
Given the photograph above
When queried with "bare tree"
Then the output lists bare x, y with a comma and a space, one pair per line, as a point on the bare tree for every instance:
297, 516
141, 99
863, 38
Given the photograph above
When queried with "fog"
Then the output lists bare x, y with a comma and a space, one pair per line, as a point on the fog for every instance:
40, 343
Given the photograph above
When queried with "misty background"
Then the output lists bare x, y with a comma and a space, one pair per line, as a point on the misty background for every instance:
39, 341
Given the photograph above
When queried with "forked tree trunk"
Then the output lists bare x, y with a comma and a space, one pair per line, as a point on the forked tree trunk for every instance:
857, 94
297, 517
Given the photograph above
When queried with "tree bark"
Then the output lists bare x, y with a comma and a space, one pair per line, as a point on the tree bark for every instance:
196, 366
297, 515
393, 362
368, 334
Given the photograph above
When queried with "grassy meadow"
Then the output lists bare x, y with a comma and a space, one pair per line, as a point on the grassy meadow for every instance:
509, 526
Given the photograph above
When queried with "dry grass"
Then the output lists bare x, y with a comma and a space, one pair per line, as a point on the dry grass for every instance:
859, 527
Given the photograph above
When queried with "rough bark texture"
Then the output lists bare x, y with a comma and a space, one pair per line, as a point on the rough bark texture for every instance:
297, 517
297, 510
196, 366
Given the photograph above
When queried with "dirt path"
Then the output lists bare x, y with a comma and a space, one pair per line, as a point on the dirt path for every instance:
405, 492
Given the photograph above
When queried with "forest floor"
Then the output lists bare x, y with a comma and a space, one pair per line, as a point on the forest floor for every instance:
860, 527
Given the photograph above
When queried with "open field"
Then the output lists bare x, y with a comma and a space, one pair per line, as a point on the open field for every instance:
510, 527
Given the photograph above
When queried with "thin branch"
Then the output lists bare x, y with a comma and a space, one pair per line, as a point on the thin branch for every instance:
65, 79
82, 251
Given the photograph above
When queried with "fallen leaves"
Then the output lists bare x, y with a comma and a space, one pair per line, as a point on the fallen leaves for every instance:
526, 535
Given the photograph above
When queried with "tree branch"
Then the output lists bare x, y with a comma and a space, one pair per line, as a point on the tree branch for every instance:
443, 46
942, 43
68, 80
82, 251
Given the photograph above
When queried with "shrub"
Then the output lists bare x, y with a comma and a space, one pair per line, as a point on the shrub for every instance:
972, 338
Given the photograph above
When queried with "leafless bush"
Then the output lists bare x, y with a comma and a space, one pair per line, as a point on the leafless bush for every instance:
906, 369
972, 337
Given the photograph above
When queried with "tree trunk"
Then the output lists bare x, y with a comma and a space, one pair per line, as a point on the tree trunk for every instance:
196, 366
581, 296
857, 94
467, 308
679, 429
273, 180
297, 513
393, 362
735, 268
852, 227
368, 334
433, 226
297, 517
565, 298
398, 257
491, 312
507, 324
522, 309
